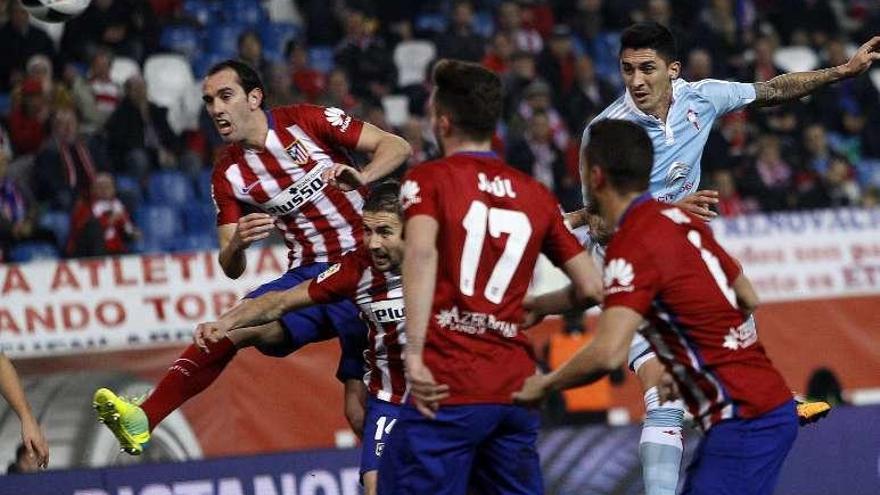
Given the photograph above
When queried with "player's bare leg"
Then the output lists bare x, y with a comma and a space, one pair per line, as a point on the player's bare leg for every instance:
131, 422
660, 447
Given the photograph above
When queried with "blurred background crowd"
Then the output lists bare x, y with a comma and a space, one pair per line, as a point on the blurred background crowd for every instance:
105, 147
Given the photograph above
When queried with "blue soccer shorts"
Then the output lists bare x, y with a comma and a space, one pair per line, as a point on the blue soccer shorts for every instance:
489, 447
379, 421
743, 456
321, 322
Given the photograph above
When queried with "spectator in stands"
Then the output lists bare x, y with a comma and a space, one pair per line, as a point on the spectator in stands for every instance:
817, 154
536, 154
556, 63
699, 65
522, 73
871, 197
422, 150
20, 41
28, 118
100, 224
18, 212
537, 98
857, 95
763, 68
498, 54
770, 178
588, 96
65, 168
279, 90
306, 81
365, 58
460, 40
510, 22
843, 190
129, 28
730, 203
105, 94
57, 95
718, 31
854, 139
728, 144
338, 94
250, 51
139, 138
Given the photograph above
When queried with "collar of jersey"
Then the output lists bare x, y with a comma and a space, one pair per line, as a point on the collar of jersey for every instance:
636, 202
677, 85
270, 120
478, 154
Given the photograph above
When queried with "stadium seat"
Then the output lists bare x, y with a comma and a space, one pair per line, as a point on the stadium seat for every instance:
431, 23
123, 68
129, 191
412, 59
248, 12
868, 173
33, 251
202, 11
199, 218
58, 222
203, 61
203, 184
795, 58
169, 84
193, 242
223, 38
283, 11
396, 109
181, 39
275, 37
158, 223
321, 58
5, 103
484, 24
170, 188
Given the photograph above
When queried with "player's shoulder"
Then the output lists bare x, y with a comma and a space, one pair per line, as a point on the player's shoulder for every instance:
618, 109
230, 154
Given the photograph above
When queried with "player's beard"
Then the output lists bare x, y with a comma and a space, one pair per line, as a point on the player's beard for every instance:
436, 130
599, 231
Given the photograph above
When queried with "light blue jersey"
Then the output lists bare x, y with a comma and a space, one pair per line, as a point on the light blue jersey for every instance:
679, 142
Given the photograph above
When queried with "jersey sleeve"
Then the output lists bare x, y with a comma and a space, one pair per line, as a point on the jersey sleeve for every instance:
631, 278
726, 96
419, 194
329, 124
560, 245
228, 207
337, 282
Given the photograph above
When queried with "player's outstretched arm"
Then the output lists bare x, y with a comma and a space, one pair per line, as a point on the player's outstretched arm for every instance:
575, 219
31, 435
746, 297
584, 291
234, 238
788, 87
606, 353
388, 150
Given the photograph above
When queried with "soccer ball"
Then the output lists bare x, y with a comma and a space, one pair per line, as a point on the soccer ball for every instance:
55, 10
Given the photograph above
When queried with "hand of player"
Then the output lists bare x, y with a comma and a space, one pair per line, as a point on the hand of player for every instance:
252, 228
34, 441
533, 390
426, 392
344, 177
866, 55
698, 204
211, 331
531, 317
667, 389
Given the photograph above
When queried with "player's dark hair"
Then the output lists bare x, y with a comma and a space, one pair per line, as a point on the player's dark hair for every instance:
384, 197
469, 95
624, 151
247, 76
650, 35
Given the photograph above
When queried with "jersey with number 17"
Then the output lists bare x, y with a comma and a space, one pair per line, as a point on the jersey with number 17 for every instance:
493, 222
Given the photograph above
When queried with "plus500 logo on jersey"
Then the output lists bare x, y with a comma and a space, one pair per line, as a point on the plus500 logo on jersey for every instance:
388, 311
292, 198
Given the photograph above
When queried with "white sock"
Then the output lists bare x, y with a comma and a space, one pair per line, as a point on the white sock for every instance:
661, 444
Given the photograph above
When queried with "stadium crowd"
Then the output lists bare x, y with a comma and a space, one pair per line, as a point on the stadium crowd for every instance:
104, 150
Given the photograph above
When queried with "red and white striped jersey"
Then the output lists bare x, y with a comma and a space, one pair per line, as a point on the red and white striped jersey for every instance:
666, 265
379, 295
318, 223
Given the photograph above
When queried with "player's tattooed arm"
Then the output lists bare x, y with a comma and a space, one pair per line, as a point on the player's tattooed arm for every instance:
788, 87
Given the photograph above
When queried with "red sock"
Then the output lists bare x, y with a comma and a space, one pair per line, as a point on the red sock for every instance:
193, 371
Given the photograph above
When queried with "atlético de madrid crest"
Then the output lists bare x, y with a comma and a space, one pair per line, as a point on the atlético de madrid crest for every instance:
298, 152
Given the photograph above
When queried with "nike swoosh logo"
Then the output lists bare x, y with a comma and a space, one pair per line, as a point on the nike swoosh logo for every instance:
247, 189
